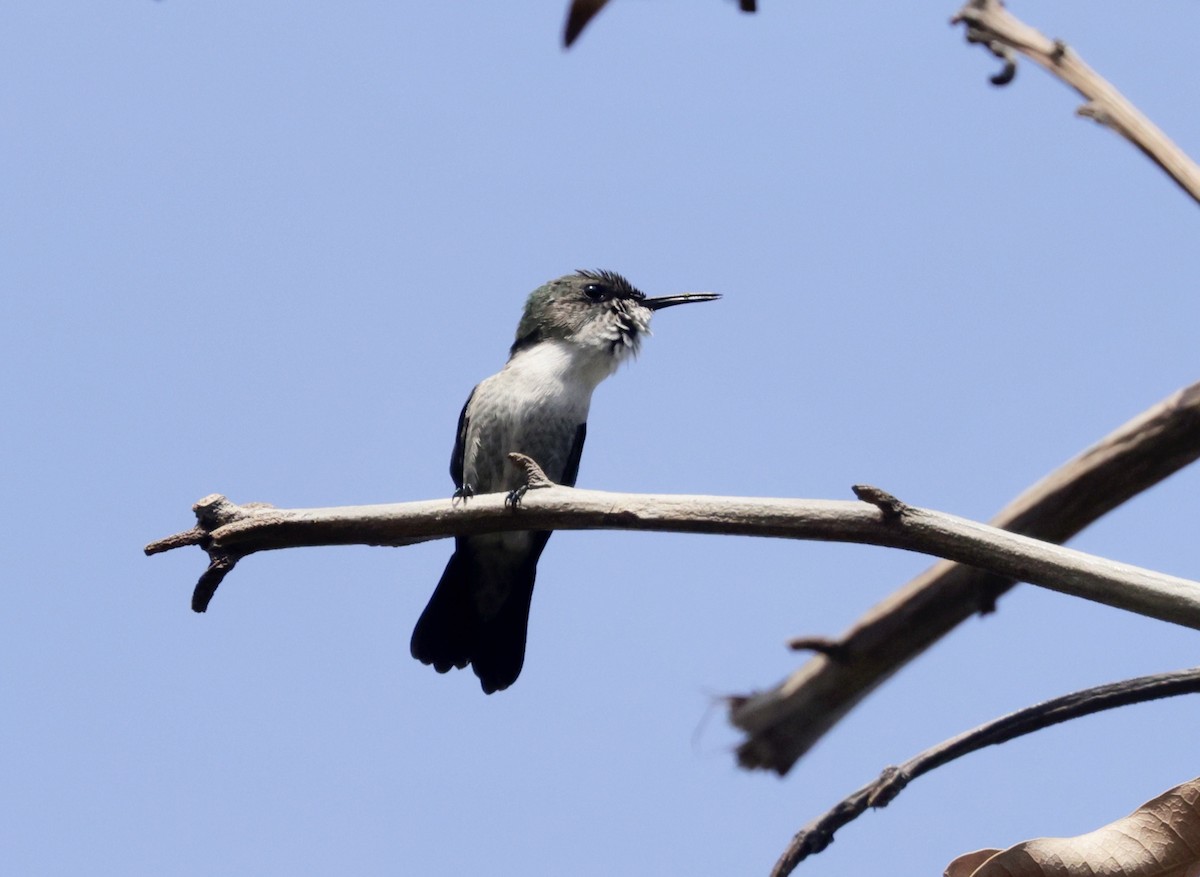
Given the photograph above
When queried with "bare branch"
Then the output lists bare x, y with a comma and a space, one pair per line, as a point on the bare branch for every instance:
784, 722
818, 834
236, 531
989, 23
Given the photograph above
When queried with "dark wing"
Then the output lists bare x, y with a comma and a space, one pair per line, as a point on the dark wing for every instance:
460, 441
571, 472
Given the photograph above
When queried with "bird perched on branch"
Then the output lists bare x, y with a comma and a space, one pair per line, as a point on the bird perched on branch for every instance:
574, 333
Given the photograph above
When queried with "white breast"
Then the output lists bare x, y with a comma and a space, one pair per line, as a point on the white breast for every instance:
534, 405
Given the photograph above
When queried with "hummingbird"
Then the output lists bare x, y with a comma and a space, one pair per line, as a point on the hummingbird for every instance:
575, 332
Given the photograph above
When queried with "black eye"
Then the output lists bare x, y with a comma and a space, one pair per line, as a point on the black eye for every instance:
597, 292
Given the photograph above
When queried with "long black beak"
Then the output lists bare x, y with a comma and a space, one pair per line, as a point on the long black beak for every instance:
666, 301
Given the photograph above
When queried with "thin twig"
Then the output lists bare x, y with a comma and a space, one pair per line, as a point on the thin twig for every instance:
989, 23
818, 834
782, 723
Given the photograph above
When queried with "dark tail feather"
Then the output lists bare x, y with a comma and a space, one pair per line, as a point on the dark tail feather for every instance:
500, 646
446, 631
451, 632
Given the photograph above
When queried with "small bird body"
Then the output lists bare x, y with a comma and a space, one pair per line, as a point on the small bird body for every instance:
533, 405
574, 333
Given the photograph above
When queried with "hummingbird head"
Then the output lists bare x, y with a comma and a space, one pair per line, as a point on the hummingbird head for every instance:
596, 310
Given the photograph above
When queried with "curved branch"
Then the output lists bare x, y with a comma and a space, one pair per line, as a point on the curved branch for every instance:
233, 531
785, 721
818, 834
989, 23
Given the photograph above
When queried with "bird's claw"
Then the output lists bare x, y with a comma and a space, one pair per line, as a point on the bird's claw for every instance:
513, 500
463, 493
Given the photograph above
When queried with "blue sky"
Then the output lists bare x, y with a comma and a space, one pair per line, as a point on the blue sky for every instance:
267, 249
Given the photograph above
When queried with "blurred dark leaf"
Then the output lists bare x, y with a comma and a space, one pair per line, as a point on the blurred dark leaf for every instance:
583, 11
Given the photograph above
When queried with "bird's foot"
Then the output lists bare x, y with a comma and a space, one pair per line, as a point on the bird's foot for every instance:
514, 496
463, 493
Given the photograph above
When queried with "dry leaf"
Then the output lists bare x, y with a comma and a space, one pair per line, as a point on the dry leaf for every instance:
1159, 839
965, 865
